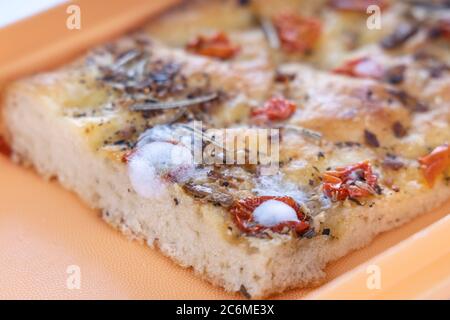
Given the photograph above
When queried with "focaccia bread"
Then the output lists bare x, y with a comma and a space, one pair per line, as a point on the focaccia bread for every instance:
360, 117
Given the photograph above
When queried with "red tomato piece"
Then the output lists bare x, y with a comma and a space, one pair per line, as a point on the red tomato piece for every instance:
442, 29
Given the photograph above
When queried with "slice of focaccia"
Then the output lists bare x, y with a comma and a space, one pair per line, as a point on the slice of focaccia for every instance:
147, 130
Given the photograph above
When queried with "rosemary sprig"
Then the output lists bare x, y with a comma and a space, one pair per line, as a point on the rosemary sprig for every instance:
162, 105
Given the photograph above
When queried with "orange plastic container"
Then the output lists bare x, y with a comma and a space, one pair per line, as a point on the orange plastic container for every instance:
45, 230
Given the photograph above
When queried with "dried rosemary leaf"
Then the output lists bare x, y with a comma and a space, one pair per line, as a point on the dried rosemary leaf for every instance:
161, 105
